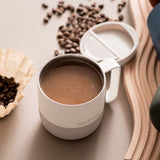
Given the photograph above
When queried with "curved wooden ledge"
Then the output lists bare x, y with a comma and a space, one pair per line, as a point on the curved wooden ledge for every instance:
141, 79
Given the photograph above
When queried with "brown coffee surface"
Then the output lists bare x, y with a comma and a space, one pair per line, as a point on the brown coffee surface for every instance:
71, 84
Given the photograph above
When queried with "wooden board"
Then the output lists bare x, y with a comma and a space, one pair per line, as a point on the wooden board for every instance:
141, 79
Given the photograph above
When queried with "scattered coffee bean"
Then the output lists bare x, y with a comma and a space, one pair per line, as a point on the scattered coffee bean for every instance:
119, 8
54, 11
44, 5
120, 17
71, 8
101, 6
60, 27
49, 15
45, 20
93, 5
67, 51
56, 52
59, 12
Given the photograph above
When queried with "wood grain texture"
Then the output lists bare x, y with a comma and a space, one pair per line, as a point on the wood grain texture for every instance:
141, 79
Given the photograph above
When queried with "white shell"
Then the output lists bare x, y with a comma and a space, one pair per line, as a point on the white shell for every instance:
17, 65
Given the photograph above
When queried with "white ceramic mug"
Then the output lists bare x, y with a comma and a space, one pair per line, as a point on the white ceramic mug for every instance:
77, 121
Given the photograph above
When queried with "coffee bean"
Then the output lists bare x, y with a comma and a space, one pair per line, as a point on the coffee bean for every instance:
102, 15
73, 50
59, 12
1, 84
71, 8
11, 79
120, 17
8, 96
68, 46
63, 30
73, 15
101, 6
61, 40
45, 20
119, 8
78, 49
17, 84
68, 24
67, 51
97, 10
79, 9
60, 27
60, 5
4, 80
12, 94
93, 5
11, 85
74, 44
66, 33
49, 15
15, 90
76, 39
5, 90
56, 52
107, 19
70, 29
72, 36
11, 100
44, 5
62, 9
68, 41
62, 44
60, 35
54, 11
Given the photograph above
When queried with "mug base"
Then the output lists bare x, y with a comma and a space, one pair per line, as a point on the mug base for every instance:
71, 133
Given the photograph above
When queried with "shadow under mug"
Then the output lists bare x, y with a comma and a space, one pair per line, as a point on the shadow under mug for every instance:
77, 121
153, 22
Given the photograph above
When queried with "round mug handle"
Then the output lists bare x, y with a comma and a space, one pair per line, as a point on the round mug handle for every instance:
107, 65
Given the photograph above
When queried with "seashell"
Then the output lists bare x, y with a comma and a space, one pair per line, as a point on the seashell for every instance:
17, 65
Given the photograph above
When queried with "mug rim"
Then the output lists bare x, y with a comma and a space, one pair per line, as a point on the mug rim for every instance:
75, 56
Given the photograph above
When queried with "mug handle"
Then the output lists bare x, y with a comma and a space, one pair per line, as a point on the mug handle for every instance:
111, 65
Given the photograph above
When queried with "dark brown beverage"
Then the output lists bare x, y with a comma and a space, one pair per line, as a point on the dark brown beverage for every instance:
71, 83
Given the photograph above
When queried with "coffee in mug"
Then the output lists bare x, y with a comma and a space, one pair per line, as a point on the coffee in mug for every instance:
71, 82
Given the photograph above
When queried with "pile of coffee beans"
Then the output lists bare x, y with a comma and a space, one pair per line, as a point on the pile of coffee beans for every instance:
77, 24
80, 20
8, 90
